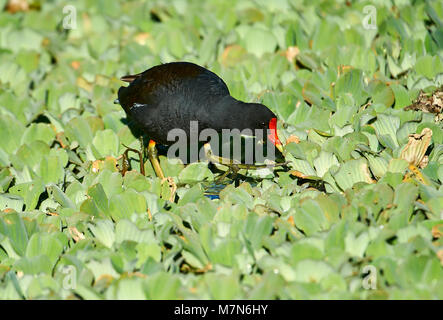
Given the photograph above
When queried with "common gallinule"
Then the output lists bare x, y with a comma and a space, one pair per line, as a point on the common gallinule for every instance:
169, 96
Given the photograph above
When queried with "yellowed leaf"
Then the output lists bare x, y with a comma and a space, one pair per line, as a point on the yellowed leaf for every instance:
342, 69
14, 6
96, 165
291, 221
298, 174
84, 84
293, 138
142, 37
415, 150
437, 231
75, 64
232, 55
291, 53
440, 256
75, 234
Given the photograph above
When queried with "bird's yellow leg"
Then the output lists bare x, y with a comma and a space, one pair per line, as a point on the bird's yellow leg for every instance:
153, 158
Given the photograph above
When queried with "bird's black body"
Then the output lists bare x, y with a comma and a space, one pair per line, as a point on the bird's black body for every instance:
171, 95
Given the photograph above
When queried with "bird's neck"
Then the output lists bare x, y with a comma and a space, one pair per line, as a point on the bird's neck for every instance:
229, 110
230, 103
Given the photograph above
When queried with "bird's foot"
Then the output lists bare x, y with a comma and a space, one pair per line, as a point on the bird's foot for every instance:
125, 160
231, 169
233, 165
125, 163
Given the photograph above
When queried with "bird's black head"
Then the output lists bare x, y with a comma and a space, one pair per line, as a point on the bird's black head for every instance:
260, 117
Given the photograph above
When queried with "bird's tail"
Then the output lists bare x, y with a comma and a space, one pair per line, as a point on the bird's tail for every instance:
130, 77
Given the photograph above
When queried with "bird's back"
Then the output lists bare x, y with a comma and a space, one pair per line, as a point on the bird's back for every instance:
171, 95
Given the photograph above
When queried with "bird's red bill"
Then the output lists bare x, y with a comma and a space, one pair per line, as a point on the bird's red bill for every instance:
273, 137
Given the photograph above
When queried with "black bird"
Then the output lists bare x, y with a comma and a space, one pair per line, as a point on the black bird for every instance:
171, 95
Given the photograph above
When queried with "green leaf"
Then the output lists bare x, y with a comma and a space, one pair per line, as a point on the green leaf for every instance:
405, 195
351, 83
126, 230
123, 205
324, 161
5, 179
35, 265
257, 229
51, 170
397, 165
30, 192
12, 226
98, 195
351, 172
130, 289
222, 287
107, 143
356, 246
310, 217
24, 39
9, 201
304, 251
59, 196
312, 271
193, 172
259, 41
103, 230
378, 165
429, 66
11, 132
402, 98
191, 195
163, 286
38, 131
111, 182
44, 244
148, 250
386, 129
78, 129
381, 93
